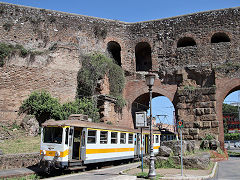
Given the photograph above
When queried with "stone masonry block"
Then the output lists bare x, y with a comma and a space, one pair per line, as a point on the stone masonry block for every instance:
207, 110
199, 111
187, 124
215, 124
185, 131
181, 106
215, 130
207, 124
193, 131
197, 124
209, 117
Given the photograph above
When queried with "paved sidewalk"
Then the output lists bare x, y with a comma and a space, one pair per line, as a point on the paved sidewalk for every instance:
18, 172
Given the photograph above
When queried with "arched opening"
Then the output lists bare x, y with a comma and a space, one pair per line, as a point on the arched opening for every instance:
220, 37
231, 118
163, 113
143, 57
114, 50
186, 41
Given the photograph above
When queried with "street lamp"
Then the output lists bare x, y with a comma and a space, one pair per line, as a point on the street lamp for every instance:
150, 81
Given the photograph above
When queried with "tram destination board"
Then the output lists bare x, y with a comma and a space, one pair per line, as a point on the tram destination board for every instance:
141, 119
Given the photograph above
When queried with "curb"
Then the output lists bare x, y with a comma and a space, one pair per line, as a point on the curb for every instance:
194, 177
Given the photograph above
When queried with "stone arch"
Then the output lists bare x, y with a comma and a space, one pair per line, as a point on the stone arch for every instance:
137, 92
220, 37
186, 41
143, 56
224, 88
114, 50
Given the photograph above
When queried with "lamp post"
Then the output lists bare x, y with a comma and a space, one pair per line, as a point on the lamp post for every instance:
150, 81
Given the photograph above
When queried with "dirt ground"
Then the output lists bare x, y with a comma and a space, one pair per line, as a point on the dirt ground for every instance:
173, 172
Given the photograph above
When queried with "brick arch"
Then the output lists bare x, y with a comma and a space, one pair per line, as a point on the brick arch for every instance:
189, 35
210, 35
134, 89
224, 88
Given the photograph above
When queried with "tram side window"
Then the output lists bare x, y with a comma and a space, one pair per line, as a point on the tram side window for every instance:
157, 138
66, 139
123, 138
130, 138
52, 135
91, 136
103, 137
113, 137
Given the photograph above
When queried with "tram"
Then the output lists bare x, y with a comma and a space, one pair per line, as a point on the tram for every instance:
74, 144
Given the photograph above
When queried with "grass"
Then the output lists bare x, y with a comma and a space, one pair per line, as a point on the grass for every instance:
145, 175
21, 145
28, 177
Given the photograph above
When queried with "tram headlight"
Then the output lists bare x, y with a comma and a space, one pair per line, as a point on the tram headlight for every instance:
43, 152
57, 154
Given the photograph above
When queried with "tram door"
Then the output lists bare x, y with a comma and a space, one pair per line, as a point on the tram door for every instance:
76, 143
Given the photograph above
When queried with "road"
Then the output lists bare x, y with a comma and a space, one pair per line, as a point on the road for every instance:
101, 174
228, 170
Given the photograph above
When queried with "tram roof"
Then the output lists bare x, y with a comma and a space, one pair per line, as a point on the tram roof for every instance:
87, 124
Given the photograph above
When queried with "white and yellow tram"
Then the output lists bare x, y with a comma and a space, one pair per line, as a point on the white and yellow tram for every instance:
72, 144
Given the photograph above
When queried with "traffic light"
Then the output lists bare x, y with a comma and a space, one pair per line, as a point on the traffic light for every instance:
180, 124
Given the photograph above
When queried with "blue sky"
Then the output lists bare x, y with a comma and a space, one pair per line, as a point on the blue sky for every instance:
129, 10
134, 11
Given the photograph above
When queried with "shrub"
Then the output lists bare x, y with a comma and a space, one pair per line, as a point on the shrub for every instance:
80, 106
44, 107
94, 68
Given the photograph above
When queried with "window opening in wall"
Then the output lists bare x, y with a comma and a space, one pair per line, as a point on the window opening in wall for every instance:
143, 57
113, 137
220, 37
123, 138
186, 41
91, 136
114, 50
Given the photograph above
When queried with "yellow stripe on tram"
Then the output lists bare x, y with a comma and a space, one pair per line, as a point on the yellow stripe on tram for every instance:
156, 147
96, 151
52, 153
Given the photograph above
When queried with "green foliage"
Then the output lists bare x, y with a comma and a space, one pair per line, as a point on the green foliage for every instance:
6, 50
169, 163
229, 110
80, 106
145, 175
231, 136
94, 68
27, 177
43, 106
189, 87
209, 137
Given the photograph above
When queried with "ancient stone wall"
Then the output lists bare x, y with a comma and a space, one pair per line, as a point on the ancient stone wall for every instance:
19, 160
196, 52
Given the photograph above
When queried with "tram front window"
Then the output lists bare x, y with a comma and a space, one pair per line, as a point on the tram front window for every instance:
52, 135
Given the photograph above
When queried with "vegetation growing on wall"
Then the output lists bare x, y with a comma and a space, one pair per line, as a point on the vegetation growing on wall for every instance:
7, 50
94, 68
43, 106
